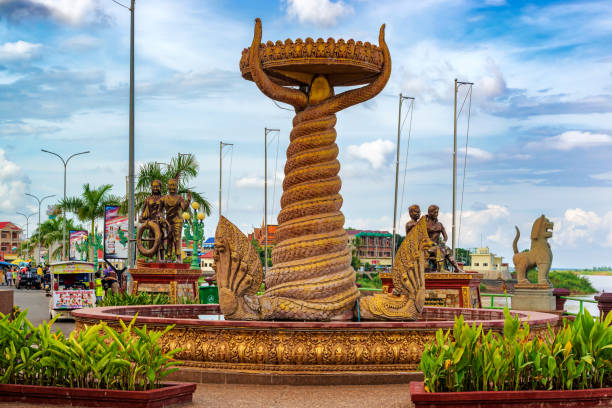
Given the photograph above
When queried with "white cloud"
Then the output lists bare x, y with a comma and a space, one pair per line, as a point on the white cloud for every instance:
479, 154
573, 139
19, 50
250, 182
70, 11
12, 185
377, 153
579, 227
320, 12
603, 176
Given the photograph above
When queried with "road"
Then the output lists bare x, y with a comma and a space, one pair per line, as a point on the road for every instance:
38, 308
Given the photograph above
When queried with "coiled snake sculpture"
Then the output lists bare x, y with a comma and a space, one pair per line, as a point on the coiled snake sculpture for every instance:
312, 277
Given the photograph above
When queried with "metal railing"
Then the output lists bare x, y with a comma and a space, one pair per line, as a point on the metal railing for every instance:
581, 302
493, 296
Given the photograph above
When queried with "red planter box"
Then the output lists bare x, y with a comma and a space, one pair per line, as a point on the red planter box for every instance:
600, 397
170, 393
166, 265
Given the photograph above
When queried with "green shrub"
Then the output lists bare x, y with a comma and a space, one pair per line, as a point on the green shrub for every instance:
374, 283
577, 285
96, 357
577, 356
127, 299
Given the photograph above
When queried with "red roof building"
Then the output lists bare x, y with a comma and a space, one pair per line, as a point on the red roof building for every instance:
10, 237
259, 234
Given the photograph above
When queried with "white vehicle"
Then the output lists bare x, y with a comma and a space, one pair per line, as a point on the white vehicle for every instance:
72, 287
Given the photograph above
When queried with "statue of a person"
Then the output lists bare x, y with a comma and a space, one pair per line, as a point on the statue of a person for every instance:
174, 205
152, 209
415, 213
435, 229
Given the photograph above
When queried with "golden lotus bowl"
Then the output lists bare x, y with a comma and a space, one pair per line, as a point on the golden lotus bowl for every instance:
294, 62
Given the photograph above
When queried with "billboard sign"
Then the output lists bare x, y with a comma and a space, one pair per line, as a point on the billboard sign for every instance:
77, 248
115, 233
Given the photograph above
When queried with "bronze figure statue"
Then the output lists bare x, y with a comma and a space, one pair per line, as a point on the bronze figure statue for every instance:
415, 213
153, 227
437, 233
174, 205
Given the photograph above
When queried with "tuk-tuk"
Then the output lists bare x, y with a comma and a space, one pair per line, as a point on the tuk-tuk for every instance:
72, 287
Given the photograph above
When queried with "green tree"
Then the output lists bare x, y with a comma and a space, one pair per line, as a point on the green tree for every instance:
184, 168
463, 255
90, 205
51, 232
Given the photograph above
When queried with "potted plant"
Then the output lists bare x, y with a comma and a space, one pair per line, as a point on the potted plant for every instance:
97, 366
570, 367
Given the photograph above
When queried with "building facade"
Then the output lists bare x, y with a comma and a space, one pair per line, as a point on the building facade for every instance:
490, 265
372, 247
259, 235
10, 240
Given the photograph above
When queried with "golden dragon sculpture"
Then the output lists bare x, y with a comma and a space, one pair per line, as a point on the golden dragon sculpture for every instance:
312, 277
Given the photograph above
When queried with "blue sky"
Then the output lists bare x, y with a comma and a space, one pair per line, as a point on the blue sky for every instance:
540, 138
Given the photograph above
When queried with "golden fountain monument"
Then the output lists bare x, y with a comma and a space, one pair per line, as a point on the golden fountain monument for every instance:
312, 277
307, 327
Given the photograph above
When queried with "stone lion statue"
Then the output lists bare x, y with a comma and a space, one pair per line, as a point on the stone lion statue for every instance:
539, 255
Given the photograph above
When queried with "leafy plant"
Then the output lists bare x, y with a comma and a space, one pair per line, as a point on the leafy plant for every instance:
96, 357
577, 356
127, 299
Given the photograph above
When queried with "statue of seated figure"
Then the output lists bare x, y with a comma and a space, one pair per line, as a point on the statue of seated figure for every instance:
440, 254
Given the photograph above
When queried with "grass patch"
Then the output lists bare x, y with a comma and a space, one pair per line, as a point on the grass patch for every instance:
577, 285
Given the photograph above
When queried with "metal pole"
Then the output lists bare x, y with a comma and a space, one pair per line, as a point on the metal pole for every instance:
131, 198
266, 131
65, 162
454, 170
39, 203
399, 120
27, 217
220, 174
265, 201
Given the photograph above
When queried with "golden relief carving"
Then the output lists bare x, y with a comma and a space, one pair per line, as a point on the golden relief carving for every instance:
407, 299
297, 350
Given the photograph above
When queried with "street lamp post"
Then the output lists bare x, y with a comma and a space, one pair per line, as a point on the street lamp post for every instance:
27, 217
39, 203
65, 162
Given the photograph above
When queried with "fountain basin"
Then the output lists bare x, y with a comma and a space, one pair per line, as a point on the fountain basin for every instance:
338, 352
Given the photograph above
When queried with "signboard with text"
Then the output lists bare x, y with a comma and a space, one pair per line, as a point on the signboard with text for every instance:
73, 299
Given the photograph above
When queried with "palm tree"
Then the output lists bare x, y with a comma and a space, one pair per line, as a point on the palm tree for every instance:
90, 205
184, 168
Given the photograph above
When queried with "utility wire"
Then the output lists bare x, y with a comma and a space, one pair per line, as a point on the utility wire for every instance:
467, 136
281, 107
406, 158
275, 172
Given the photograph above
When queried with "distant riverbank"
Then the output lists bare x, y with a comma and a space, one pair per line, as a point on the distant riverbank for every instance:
585, 272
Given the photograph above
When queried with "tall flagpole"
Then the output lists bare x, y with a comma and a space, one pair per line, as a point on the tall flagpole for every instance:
266, 131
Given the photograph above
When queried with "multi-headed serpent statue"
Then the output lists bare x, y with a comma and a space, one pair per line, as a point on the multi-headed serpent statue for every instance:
312, 277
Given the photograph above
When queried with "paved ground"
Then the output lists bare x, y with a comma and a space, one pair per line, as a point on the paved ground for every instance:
38, 308
277, 396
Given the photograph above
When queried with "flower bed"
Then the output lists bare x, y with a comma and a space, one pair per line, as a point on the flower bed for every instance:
97, 362
467, 366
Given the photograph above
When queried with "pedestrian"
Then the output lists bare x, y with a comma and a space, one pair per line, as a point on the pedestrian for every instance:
39, 271
2, 276
99, 288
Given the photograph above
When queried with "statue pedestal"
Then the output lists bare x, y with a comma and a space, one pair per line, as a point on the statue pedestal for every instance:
533, 298
176, 283
446, 289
